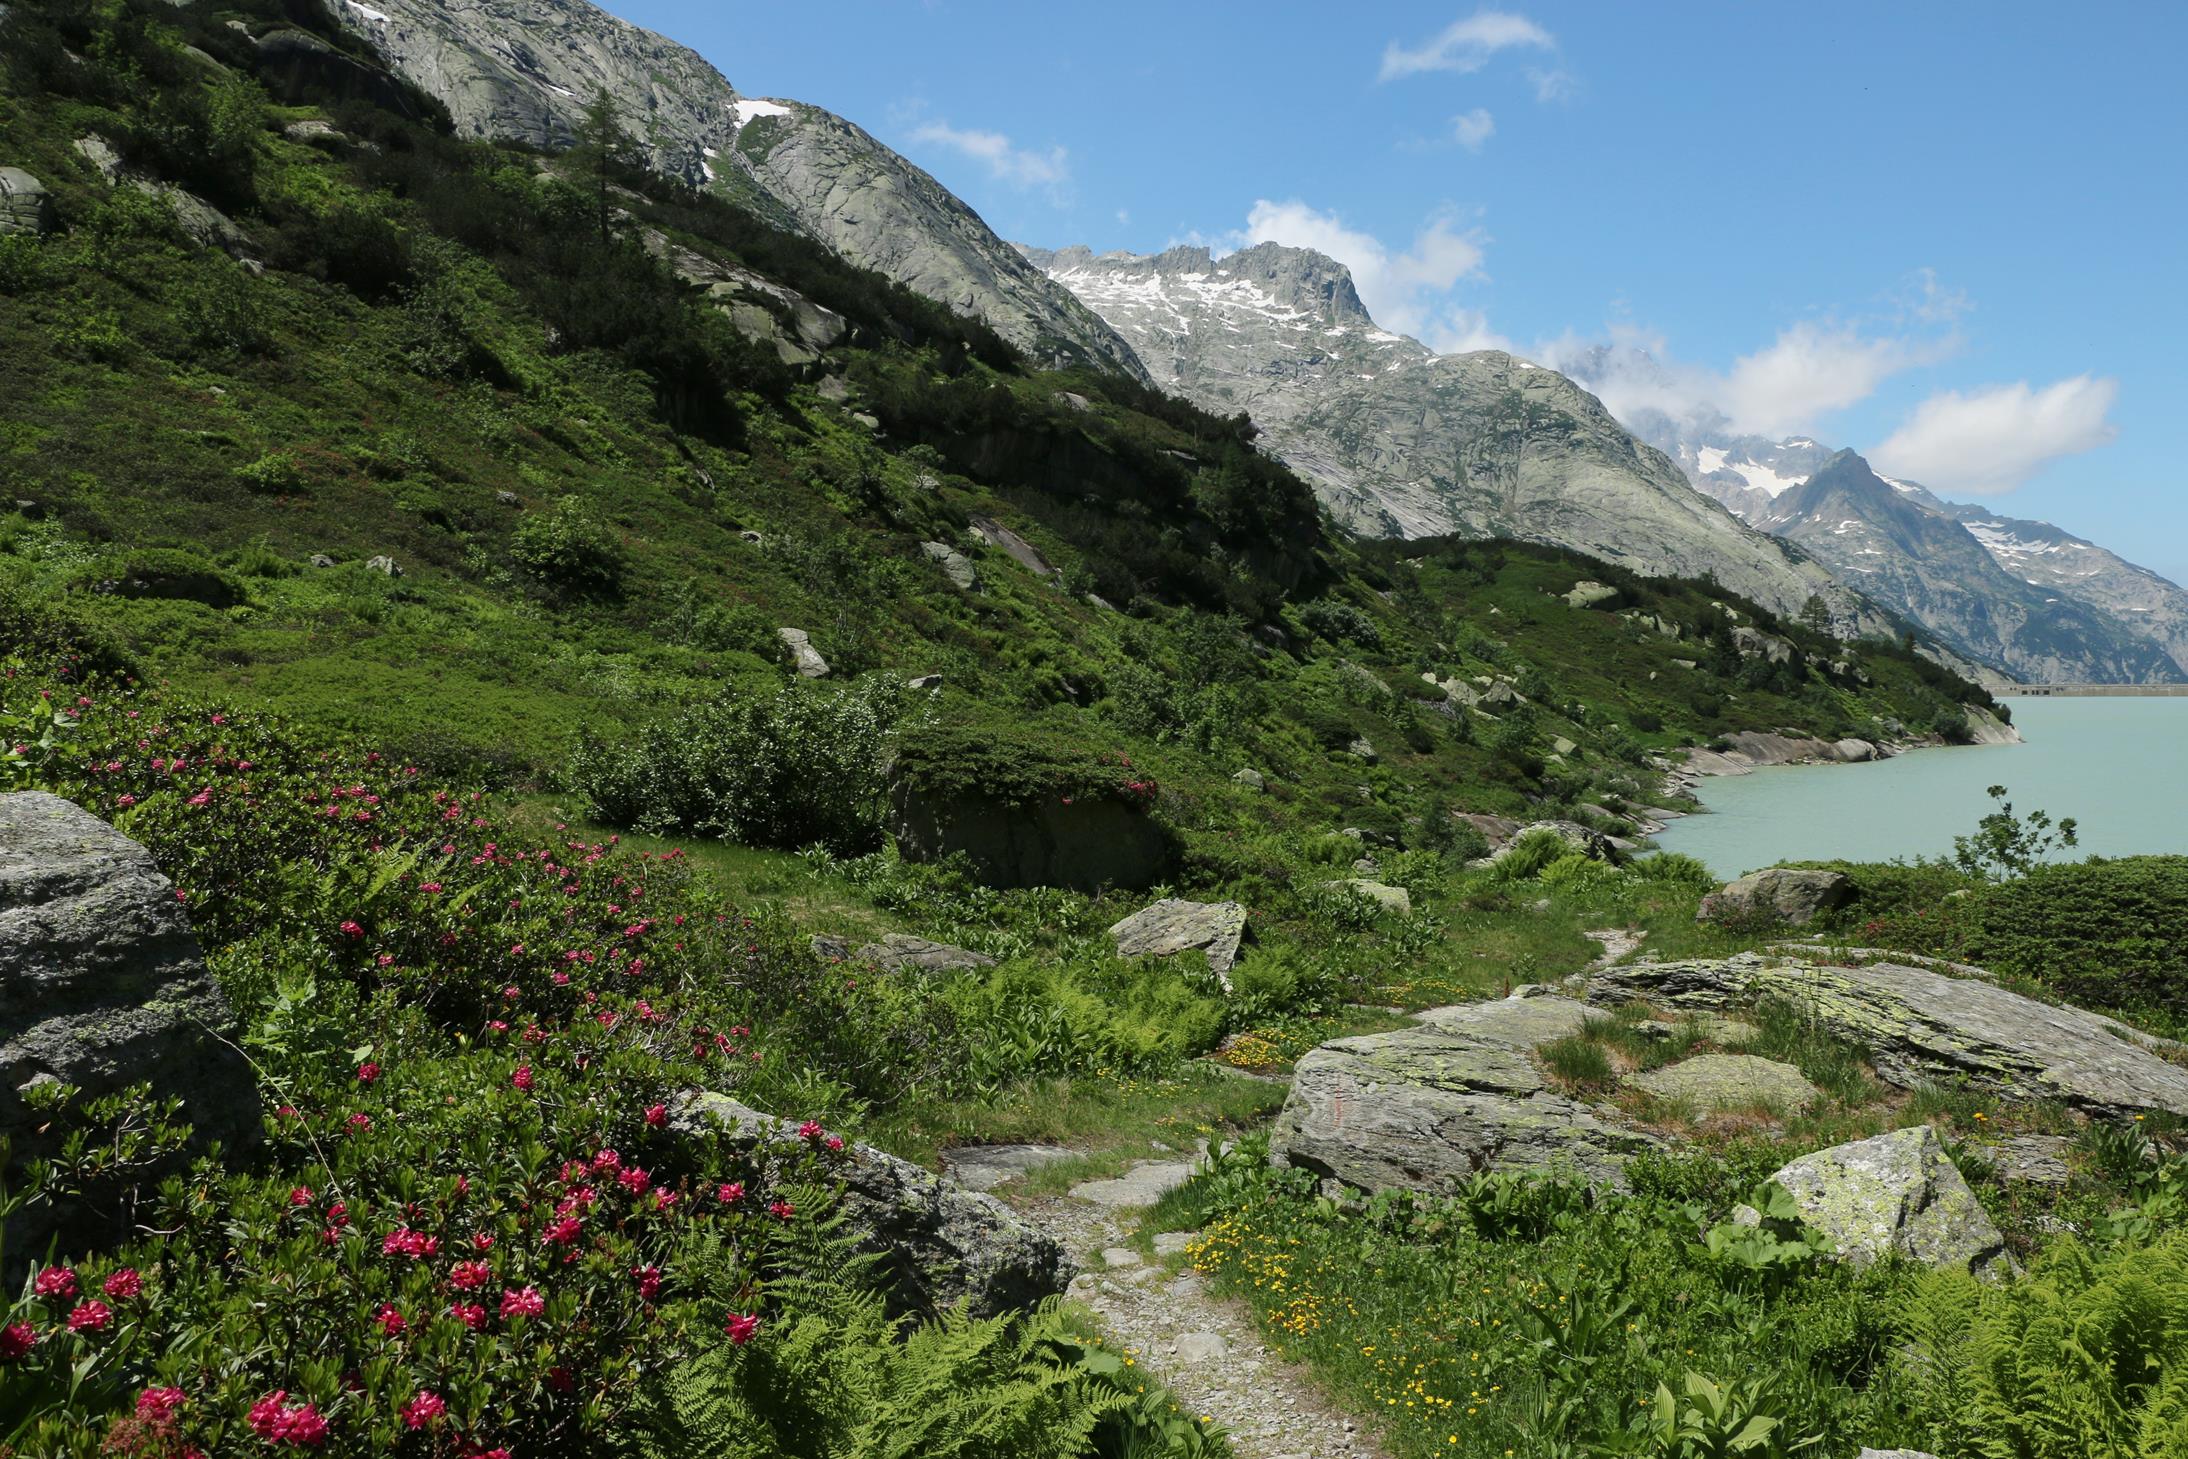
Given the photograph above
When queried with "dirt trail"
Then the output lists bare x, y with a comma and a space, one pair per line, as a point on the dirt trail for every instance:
1207, 1349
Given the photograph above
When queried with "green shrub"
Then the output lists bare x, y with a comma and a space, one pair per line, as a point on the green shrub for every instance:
2112, 933
568, 550
1530, 855
799, 764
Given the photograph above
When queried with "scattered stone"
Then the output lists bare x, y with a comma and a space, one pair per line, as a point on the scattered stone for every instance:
2031, 1159
102, 986
1730, 1081
940, 1242
1119, 1256
1251, 779
897, 951
1896, 1194
384, 565
956, 566
1172, 1243
1780, 894
1562, 745
806, 658
1854, 752
507, 498
1017, 548
1922, 1027
1072, 399
1362, 748
866, 419
25, 206
1202, 1347
1586, 840
984, 1167
1496, 830
756, 539
833, 387
320, 559
1387, 898
1587, 593
1147, 1182
316, 131
932, 683
100, 153
1170, 926
1424, 1108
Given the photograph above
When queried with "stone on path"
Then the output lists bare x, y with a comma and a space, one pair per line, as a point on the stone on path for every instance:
1922, 1027
1119, 1256
1781, 894
1201, 1347
1730, 1081
1172, 1243
1147, 1182
1896, 1194
984, 1167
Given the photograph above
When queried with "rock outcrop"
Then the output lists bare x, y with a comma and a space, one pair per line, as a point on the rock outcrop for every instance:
102, 987
939, 1242
1087, 844
1896, 1195
898, 951
1173, 925
1780, 895
1425, 1108
25, 206
1923, 1027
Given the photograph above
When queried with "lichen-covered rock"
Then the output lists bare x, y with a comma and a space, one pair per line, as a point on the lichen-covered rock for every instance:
897, 951
1425, 1108
102, 987
1396, 900
939, 1242
1730, 1081
1170, 926
1896, 1194
1013, 546
1922, 1027
1780, 894
955, 565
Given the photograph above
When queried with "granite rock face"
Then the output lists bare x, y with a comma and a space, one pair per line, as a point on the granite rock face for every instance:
1794, 898
102, 985
1898, 1195
525, 70
1425, 1108
24, 204
1923, 1027
941, 1242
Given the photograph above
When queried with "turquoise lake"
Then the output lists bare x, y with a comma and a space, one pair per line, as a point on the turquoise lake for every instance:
2118, 766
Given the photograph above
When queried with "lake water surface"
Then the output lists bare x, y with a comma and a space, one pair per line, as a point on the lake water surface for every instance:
2118, 766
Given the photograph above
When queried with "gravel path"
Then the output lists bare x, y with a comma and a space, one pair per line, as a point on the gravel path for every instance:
1616, 942
1206, 1348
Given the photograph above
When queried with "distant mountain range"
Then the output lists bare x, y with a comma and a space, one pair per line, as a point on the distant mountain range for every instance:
1397, 440
2026, 597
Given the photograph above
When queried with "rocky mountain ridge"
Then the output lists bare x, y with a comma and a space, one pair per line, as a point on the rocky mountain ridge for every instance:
524, 70
1401, 442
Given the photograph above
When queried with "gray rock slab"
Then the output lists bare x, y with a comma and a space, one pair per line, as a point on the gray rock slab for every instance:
1922, 1027
1730, 1081
984, 1167
1171, 926
1147, 1182
1782, 895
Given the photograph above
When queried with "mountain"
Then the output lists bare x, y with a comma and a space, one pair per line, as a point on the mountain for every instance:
2078, 587
1401, 442
524, 71
1893, 540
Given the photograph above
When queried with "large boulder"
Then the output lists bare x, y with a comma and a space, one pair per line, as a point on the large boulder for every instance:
1923, 1027
1896, 1195
1170, 926
938, 1242
25, 206
1425, 1108
1782, 895
805, 658
102, 987
1087, 843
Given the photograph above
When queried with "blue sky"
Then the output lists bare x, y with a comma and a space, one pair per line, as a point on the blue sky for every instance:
1952, 236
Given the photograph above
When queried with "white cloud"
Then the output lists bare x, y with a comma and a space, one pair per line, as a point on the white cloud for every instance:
1019, 166
1406, 290
1993, 439
1811, 370
1465, 45
1553, 83
1471, 129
